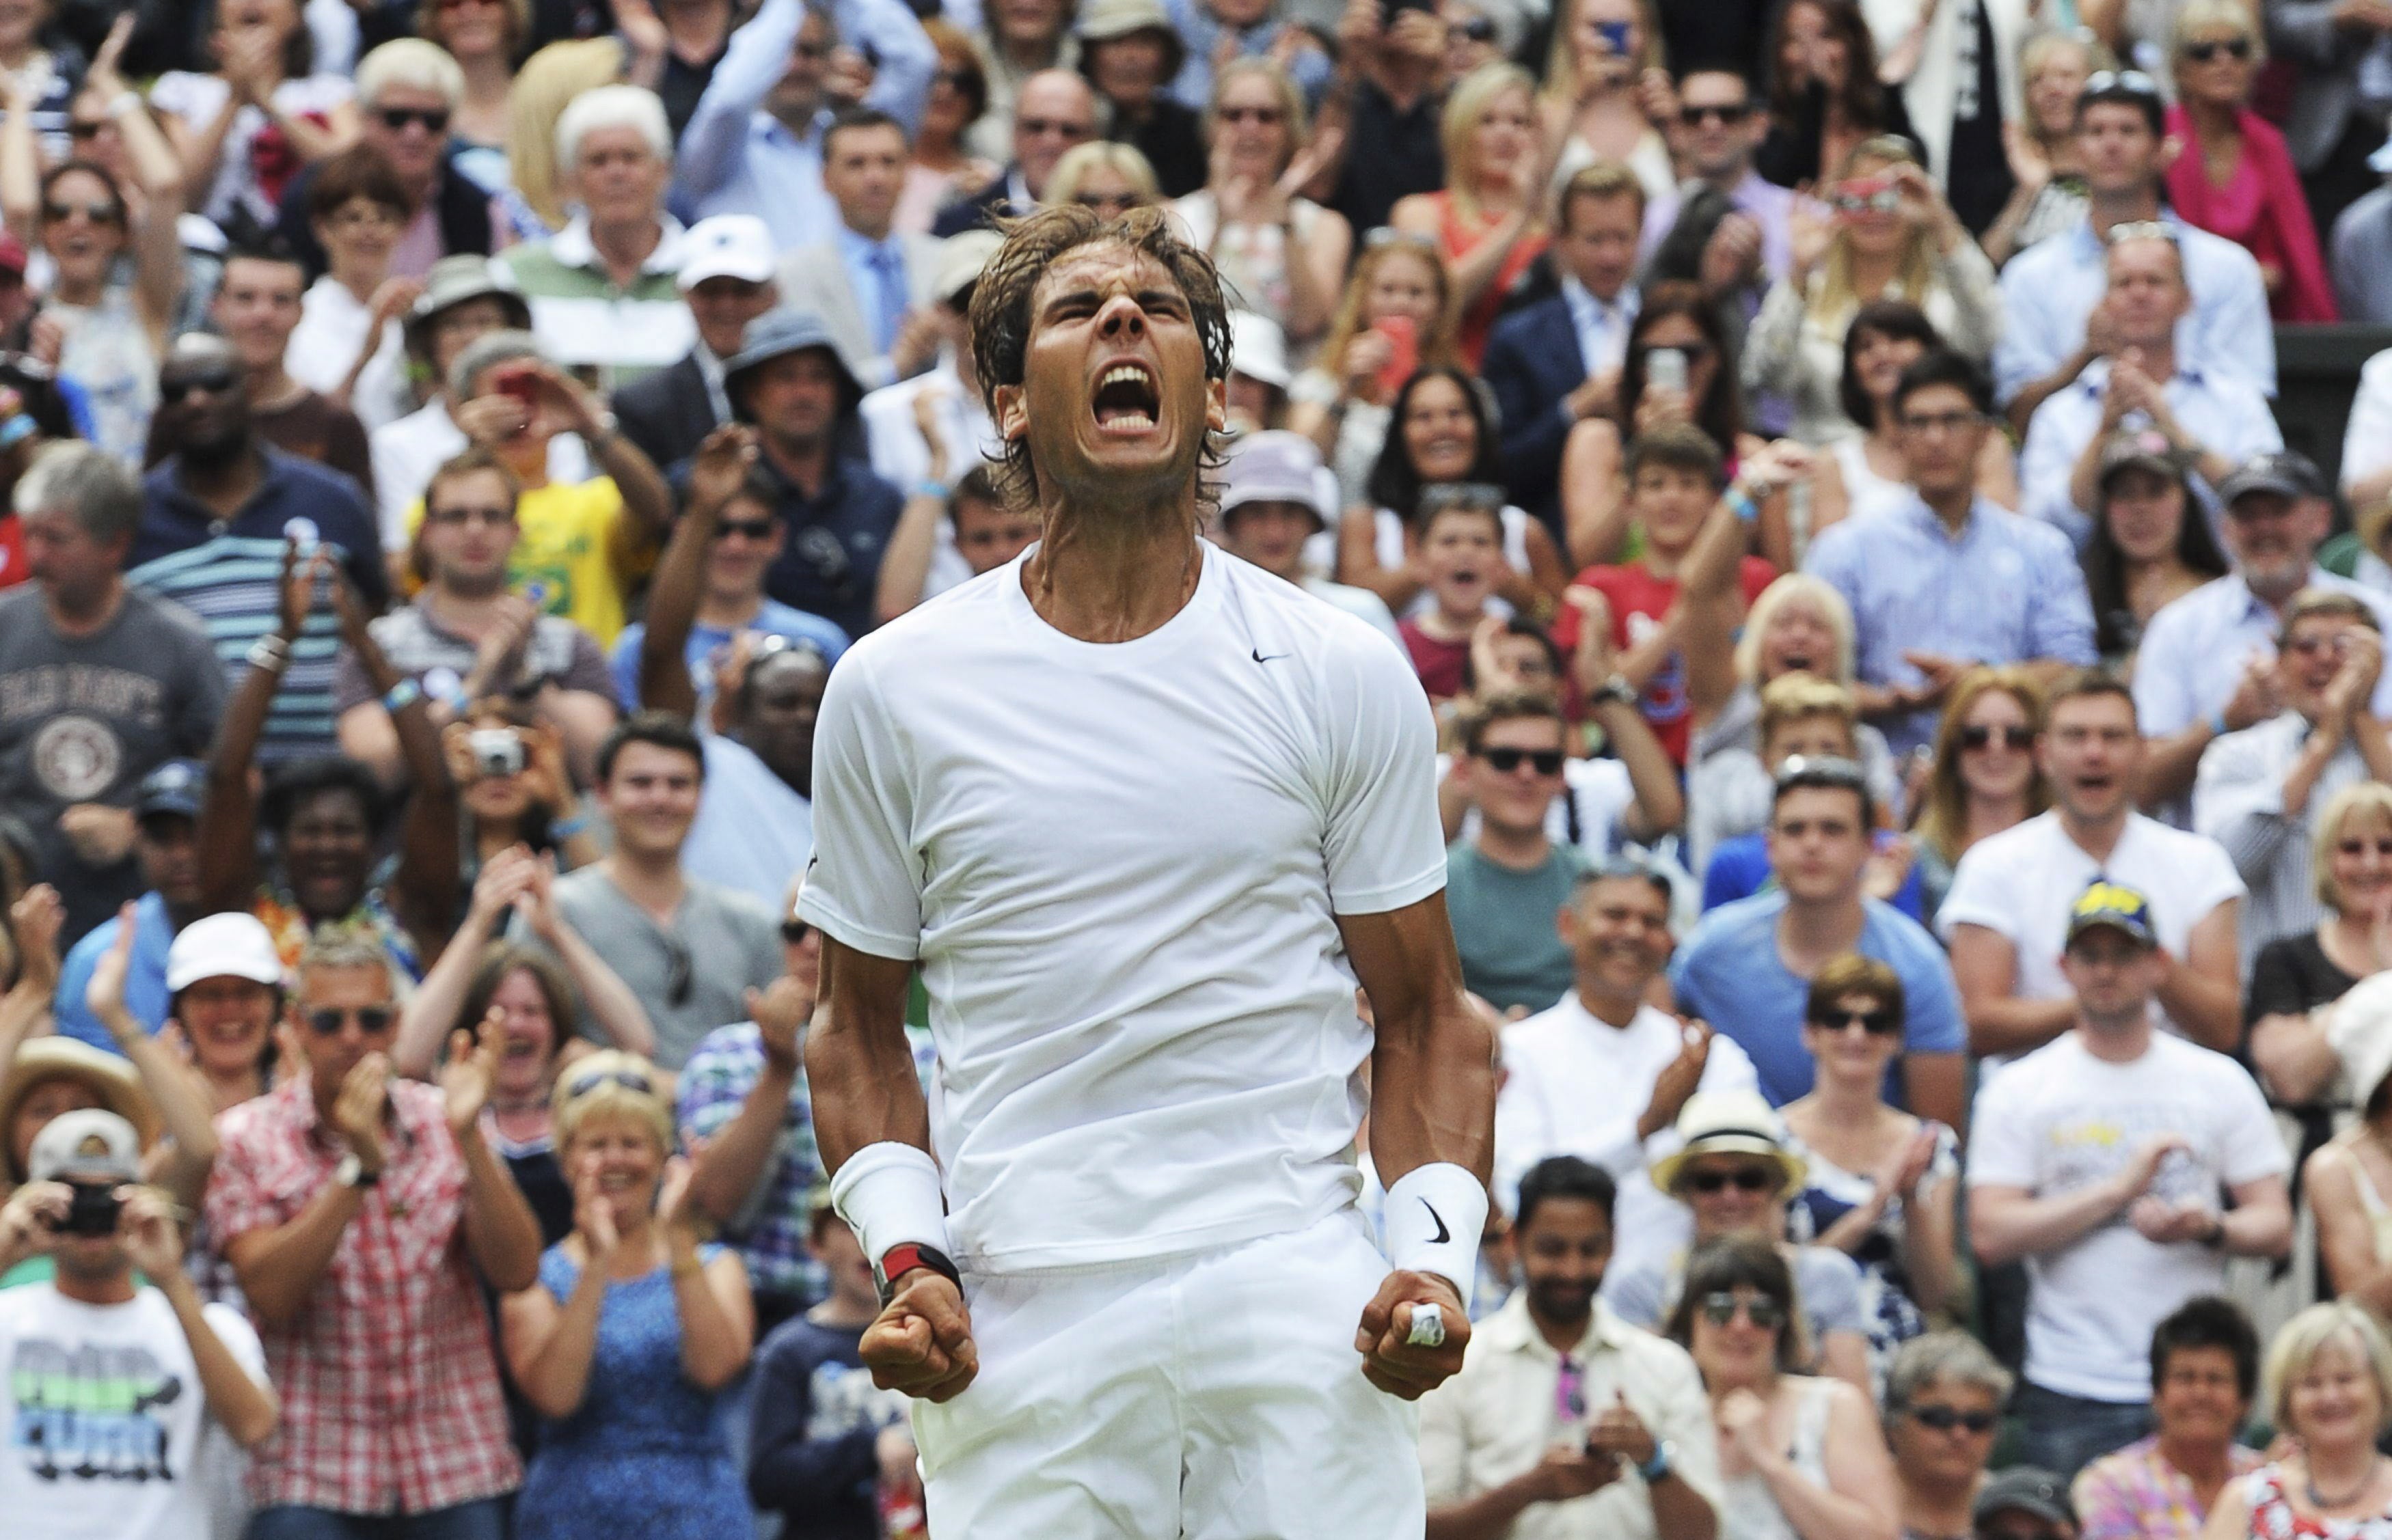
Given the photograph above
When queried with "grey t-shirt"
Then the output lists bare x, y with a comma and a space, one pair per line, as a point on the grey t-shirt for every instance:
692, 979
83, 719
559, 653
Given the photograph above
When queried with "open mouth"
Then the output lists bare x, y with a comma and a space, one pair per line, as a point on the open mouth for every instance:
1799, 662
1127, 400
1464, 577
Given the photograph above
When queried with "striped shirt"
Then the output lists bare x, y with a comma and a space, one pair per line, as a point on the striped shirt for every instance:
583, 315
228, 572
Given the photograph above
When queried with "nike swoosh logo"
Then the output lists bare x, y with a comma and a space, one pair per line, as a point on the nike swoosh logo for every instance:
1273, 657
1443, 1234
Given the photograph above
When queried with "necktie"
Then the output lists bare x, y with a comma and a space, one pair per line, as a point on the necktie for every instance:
890, 268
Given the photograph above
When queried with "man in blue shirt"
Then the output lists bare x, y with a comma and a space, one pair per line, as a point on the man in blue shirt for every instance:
165, 824
1746, 969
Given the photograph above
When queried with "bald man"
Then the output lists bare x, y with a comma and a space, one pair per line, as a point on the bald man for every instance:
1056, 113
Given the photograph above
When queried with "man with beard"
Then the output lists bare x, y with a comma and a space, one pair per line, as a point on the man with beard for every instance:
755, 825
1559, 1400
215, 519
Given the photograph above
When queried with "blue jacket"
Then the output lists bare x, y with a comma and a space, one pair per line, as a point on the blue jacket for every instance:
1532, 362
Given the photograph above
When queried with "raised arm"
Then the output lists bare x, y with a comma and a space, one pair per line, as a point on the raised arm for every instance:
228, 828
431, 1012
733, 1161
182, 1102
715, 472
429, 867
716, 136
1985, 966
501, 1234
21, 161
610, 1002
153, 1242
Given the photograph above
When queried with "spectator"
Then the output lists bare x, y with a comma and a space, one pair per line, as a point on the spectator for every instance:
2362, 244
1865, 473
34, 48
2205, 1377
2296, 979
245, 130
48, 1077
1388, 79
409, 93
225, 988
1488, 218
868, 282
1256, 384
360, 1271
2330, 127
2006, 918
1456, 545
1056, 113
465, 299
726, 280
1748, 967
2024, 1503
1284, 253
1828, 93
1131, 51
1273, 501
219, 512
2236, 178
348, 341
1504, 886
755, 825
468, 636
1018, 41
513, 785
1108, 177
2047, 193
115, 1387
986, 533
1564, 1398
1983, 780
2206, 664
582, 542
2212, 420
1914, 578
2054, 318
1604, 78
1603, 1074
1558, 361
1739, 236
2120, 1227
940, 171
2150, 543
602, 290
485, 41
2359, 551
688, 949
2330, 1389
1879, 1184
632, 1330
2345, 1174
165, 814
1788, 1439
836, 517
256, 308
1890, 235
1398, 304
2256, 787
1944, 1396
1673, 321
106, 682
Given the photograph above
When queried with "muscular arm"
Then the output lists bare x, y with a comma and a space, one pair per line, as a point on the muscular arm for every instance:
1432, 1069
859, 1065
2203, 993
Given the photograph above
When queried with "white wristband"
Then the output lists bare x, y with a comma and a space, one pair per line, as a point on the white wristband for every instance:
889, 1195
1435, 1214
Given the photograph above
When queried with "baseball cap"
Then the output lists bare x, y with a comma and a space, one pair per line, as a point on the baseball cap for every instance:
174, 787
1277, 466
1258, 349
961, 263
93, 1144
727, 246
2138, 449
2114, 905
2280, 471
223, 946
2025, 1489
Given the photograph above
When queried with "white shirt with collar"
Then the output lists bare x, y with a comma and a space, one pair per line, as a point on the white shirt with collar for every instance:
2222, 412
1496, 1418
1601, 326
2196, 647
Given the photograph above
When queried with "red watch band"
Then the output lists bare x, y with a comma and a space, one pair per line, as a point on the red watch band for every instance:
901, 1258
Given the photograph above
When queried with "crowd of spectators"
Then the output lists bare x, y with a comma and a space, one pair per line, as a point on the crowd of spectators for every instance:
1914, 739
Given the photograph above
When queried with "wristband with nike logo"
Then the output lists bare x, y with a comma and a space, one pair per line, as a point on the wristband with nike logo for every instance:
1435, 1216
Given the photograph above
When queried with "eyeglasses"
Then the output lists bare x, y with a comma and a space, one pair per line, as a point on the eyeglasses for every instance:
793, 932
2209, 48
629, 1080
1877, 1023
433, 119
1504, 762
1765, 1314
1945, 1419
1743, 1179
1931, 424
1729, 113
373, 1020
494, 517
1978, 735
59, 212
2126, 83
1263, 117
172, 389
758, 530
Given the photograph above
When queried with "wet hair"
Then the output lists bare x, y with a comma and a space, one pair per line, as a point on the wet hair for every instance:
2208, 1321
296, 783
1395, 482
1896, 320
1564, 1176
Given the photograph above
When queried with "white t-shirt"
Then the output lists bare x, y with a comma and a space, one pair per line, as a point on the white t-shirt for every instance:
1118, 866
2021, 883
324, 346
104, 1414
2059, 1119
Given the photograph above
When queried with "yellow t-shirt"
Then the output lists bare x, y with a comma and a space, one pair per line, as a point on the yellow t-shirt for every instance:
574, 556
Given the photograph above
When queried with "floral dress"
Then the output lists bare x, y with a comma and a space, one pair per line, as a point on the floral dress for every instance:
1890, 1315
2272, 1515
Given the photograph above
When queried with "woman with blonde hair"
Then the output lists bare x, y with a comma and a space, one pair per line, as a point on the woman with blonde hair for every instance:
626, 1343
1799, 625
1983, 778
1488, 221
1109, 177
2049, 195
484, 37
1398, 307
1891, 236
2330, 1396
1280, 255
543, 88
1605, 85
2295, 1005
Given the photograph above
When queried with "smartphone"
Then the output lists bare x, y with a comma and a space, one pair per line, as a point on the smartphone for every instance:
91, 1208
1665, 368
496, 751
1403, 352
1614, 35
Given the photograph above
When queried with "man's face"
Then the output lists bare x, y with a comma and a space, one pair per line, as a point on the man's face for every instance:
2310, 657
2121, 153
256, 308
795, 397
328, 853
722, 307
469, 532
651, 798
783, 697
1818, 843
2114, 975
2147, 293
746, 542
225, 1020
355, 1006
1271, 534
1598, 245
204, 404
167, 845
2199, 1401
619, 176
1942, 434
1731, 1194
863, 170
1669, 504
410, 125
2089, 751
1717, 129
1563, 1248
798, 94
66, 560
990, 535
1511, 787
1114, 397
2273, 539
1617, 932
1028, 21
1055, 113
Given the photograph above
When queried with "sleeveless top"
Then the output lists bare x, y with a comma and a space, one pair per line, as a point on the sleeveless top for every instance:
1252, 258
1865, 492
1456, 239
1747, 1510
2273, 1516
2379, 1214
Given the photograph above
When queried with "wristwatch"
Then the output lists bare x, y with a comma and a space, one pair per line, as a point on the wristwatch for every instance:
1614, 690
901, 1260
1656, 1469
352, 1172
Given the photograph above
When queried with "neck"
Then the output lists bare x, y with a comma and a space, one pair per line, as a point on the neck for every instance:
1114, 574
2206, 1461
1729, 179
2158, 357
2096, 838
2213, 120
228, 1088
270, 383
1028, 53
1658, 561
2339, 1468
805, 461
869, 228
1402, 78
494, 834
359, 281
1515, 850
79, 288
1988, 815
488, 76
1951, 506
1934, 1506
1871, 271
116, 1288
1605, 1005
2120, 1041
80, 614
729, 611
1846, 1102
1820, 928
467, 614
236, 473
624, 245
2124, 208
644, 874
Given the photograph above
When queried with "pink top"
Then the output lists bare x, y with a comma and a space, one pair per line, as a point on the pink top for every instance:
2262, 209
2136, 1495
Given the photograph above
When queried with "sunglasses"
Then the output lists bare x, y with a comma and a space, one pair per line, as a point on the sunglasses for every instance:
433, 119
2207, 49
373, 1020
1877, 1023
758, 530
1978, 737
1504, 762
494, 517
1765, 1314
1945, 1419
679, 979
98, 213
1743, 1179
176, 388
2132, 83
1729, 113
629, 1080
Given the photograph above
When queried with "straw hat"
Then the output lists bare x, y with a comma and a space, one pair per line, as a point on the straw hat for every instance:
109, 1077
1729, 1123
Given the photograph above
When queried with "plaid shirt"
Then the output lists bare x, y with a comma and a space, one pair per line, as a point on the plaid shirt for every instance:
390, 1389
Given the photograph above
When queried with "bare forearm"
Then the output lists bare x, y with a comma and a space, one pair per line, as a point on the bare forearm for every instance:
279, 1269
1929, 1258
430, 1014
617, 1010
1432, 1090
665, 684
1680, 1512
2017, 1225
1817, 1513
735, 1156
182, 1104
2310, 763
228, 831
2257, 1230
714, 1346
858, 1061
2013, 1025
646, 495
247, 1409
2374, 746
555, 1376
2208, 1009
905, 564
501, 1232
2036, 392
2169, 765
1661, 805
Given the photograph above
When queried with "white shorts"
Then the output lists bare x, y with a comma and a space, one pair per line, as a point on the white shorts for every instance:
1215, 1396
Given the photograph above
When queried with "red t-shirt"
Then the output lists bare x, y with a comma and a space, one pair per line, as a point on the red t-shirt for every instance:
1639, 602
1438, 664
